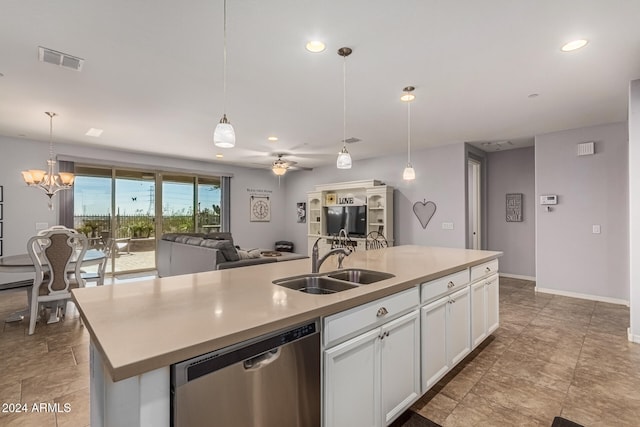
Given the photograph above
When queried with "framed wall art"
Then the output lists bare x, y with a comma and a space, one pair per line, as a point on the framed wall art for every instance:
260, 209
301, 211
514, 207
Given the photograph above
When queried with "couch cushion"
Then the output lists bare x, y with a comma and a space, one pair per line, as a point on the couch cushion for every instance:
171, 237
219, 236
195, 241
182, 239
224, 246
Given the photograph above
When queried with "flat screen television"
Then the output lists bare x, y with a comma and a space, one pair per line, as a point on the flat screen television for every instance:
352, 218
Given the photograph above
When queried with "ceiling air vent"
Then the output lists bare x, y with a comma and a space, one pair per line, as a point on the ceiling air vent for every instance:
61, 59
352, 140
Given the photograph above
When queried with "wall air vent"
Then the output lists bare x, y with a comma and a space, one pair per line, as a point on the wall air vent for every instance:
586, 148
61, 59
351, 140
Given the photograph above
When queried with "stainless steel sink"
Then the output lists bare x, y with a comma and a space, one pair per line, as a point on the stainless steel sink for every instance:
360, 276
314, 284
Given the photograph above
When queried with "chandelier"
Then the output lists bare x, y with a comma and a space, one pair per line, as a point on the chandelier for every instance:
49, 181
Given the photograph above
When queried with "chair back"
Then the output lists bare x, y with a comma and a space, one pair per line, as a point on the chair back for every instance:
108, 250
342, 240
376, 240
52, 251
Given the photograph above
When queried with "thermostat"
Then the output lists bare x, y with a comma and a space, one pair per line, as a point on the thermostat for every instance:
551, 199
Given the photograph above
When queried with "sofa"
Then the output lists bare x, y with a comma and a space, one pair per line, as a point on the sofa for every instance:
186, 253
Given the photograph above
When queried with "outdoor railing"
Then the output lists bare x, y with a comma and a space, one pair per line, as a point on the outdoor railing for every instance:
140, 226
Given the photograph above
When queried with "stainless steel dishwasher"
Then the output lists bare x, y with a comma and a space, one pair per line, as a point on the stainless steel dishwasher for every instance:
270, 381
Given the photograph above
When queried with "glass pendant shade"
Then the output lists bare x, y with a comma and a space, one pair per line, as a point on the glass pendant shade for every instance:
409, 173
344, 159
224, 136
279, 167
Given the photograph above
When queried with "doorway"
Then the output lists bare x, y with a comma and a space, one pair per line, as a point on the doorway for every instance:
474, 203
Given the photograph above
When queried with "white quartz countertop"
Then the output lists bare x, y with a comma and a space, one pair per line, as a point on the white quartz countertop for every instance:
142, 326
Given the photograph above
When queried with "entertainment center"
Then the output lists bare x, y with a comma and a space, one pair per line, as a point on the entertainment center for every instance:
359, 207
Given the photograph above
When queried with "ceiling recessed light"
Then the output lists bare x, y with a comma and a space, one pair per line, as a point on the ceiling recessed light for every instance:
219, 156
407, 97
315, 46
574, 45
273, 138
94, 132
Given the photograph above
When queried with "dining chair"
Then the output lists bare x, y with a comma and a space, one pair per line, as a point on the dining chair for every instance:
342, 240
53, 253
98, 276
376, 240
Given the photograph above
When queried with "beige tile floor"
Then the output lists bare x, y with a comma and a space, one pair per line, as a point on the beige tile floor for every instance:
551, 356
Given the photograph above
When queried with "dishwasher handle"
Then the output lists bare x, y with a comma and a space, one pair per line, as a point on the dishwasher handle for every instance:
262, 360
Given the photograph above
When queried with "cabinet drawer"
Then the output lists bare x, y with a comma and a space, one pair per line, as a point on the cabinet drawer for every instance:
485, 269
444, 285
347, 323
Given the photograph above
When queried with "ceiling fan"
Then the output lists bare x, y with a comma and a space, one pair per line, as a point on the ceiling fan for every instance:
279, 166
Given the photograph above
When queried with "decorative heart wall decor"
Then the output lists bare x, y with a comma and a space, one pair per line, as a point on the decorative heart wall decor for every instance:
424, 211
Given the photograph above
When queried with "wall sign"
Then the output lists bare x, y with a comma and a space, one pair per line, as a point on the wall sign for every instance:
514, 207
259, 209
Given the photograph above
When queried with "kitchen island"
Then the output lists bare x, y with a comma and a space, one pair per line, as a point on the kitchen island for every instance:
138, 330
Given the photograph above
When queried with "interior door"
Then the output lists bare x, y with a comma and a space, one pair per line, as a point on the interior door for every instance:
474, 203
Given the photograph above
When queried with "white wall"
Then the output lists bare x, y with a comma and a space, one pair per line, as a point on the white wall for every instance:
591, 190
512, 171
439, 178
634, 208
25, 206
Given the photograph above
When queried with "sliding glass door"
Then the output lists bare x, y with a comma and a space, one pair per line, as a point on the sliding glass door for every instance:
209, 199
134, 220
92, 210
136, 207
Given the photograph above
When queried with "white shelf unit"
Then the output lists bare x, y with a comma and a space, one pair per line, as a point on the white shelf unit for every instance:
377, 197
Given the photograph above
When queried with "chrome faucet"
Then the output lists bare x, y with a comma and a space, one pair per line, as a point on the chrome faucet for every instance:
316, 262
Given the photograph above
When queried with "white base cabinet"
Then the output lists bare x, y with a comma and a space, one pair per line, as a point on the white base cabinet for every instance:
484, 308
445, 332
373, 377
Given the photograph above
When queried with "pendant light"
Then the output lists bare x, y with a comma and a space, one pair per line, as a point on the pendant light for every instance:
344, 158
224, 136
48, 180
409, 173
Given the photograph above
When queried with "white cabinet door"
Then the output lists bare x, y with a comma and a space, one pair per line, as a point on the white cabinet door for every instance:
400, 351
458, 326
478, 313
435, 364
352, 382
492, 297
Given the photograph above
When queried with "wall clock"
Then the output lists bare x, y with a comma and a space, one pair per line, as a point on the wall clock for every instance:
260, 209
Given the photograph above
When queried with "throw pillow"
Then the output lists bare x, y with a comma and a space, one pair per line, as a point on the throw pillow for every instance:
254, 253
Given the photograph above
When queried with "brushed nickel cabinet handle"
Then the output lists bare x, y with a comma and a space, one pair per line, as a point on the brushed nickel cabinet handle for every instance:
486, 270
381, 312
450, 285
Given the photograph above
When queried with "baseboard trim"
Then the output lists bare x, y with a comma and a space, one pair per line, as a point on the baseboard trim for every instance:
517, 276
631, 337
582, 296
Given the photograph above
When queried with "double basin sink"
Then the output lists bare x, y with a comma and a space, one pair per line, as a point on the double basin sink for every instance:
332, 282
